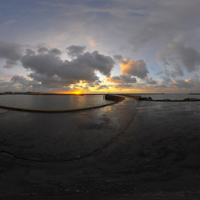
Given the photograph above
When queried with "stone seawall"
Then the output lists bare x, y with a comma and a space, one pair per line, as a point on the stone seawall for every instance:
113, 97
134, 96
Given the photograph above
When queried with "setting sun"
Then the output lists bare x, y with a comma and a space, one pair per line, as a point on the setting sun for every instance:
78, 92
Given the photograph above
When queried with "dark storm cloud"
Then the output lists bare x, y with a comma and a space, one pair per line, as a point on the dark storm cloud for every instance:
74, 51
11, 52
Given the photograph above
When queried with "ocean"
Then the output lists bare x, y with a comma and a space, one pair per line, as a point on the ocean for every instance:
171, 96
52, 102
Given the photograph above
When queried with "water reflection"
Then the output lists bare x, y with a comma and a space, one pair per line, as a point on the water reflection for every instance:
52, 102
188, 107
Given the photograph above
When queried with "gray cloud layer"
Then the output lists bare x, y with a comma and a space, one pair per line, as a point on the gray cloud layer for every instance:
123, 79
49, 70
176, 57
74, 50
11, 52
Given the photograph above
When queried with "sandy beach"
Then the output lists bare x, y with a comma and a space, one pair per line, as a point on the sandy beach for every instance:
130, 150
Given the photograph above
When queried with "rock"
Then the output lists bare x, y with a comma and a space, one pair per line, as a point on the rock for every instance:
142, 98
149, 98
145, 98
187, 99
194, 99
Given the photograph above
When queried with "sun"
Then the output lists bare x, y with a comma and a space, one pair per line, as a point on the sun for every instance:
77, 92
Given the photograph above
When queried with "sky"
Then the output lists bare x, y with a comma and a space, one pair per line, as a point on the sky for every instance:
100, 46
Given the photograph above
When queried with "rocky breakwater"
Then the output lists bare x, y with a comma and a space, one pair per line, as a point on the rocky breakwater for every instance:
140, 98
184, 100
191, 99
133, 96
113, 97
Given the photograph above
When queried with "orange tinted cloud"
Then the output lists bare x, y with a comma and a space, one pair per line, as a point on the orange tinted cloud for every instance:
188, 80
92, 43
134, 68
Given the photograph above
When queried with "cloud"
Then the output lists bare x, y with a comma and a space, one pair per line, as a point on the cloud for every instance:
124, 86
20, 83
49, 69
177, 57
166, 79
181, 83
23, 81
150, 80
134, 68
163, 20
101, 87
11, 52
122, 79
159, 73
118, 58
74, 51
55, 51
10, 63
42, 50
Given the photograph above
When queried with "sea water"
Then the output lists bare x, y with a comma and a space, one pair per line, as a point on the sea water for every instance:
53, 102
171, 96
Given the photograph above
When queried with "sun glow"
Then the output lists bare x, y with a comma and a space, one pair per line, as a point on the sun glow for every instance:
188, 80
77, 92
66, 92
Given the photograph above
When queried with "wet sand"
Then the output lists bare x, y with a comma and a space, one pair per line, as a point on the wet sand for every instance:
130, 150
